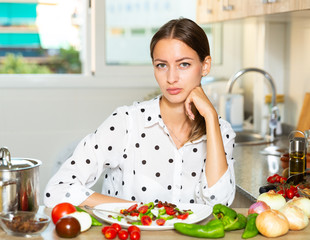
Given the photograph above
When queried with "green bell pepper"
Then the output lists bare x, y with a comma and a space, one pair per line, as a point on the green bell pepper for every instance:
213, 229
250, 228
229, 217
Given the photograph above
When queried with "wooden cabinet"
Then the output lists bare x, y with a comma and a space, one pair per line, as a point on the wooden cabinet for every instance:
261, 7
220, 10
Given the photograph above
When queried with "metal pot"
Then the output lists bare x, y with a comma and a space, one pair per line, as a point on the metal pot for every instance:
19, 183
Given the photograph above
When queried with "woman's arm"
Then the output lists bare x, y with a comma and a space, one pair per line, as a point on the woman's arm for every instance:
98, 198
216, 163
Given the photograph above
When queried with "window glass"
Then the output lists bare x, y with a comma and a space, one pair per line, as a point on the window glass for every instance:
41, 36
130, 25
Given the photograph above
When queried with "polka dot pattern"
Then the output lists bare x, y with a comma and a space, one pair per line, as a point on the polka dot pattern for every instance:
138, 160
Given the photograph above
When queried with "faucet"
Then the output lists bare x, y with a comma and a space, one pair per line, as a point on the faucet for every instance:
274, 109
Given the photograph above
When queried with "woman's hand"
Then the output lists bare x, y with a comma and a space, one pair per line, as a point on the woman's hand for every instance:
201, 102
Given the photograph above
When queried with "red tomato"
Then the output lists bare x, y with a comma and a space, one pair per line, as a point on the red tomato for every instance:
143, 209
170, 211
61, 210
146, 220
133, 228
134, 214
133, 207
183, 216
110, 233
290, 193
116, 226
134, 235
159, 205
283, 180
277, 178
123, 234
104, 229
160, 221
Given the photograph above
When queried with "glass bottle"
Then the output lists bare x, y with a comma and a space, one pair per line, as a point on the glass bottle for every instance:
297, 154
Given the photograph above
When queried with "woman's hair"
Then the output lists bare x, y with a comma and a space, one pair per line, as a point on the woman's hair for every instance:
191, 34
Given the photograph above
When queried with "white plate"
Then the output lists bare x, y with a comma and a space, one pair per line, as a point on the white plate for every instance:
200, 212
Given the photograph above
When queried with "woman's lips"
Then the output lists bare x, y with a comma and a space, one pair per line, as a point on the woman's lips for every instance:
174, 91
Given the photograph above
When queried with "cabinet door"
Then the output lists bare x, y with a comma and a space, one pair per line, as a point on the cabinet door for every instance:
262, 7
220, 10
207, 11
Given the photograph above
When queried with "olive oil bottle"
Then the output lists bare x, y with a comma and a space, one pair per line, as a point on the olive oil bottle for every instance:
297, 153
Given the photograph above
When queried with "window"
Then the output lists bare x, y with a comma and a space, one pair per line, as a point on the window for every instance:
108, 38
42, 36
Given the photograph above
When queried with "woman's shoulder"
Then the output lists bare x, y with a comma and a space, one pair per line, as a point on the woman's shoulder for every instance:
140, 106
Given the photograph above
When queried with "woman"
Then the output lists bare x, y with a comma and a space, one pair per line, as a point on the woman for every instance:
172, 148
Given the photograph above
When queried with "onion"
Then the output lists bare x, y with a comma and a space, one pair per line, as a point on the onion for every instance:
303, 203
258, 207
274, 200
272, 223
296, 217
84, 220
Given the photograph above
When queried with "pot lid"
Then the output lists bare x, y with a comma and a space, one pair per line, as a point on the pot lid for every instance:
15, 164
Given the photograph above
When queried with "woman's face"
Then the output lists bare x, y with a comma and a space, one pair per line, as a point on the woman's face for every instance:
178, 69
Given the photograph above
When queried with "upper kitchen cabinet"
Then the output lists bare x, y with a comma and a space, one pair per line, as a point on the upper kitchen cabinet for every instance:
220, 10
261, 7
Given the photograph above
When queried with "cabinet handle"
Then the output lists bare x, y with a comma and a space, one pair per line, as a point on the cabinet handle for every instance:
269, 1
228, 7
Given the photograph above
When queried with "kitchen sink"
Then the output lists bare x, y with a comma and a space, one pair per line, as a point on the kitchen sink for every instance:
251, 138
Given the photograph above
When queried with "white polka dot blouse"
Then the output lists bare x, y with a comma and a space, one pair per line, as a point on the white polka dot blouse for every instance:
138, 160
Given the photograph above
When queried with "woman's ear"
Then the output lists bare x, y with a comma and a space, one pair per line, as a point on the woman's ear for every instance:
206, 66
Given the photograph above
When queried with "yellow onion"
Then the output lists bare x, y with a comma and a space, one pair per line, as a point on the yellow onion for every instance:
296, 217
274, 200
303, 203
272, 223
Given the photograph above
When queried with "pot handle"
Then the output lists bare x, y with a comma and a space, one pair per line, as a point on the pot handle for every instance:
5, 155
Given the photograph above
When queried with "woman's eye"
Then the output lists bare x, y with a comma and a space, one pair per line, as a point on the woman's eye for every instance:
161, 65
184, 65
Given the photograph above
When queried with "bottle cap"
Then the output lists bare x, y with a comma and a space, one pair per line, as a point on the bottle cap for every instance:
298, 144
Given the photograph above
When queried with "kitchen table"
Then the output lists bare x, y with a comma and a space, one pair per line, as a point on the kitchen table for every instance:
95, 232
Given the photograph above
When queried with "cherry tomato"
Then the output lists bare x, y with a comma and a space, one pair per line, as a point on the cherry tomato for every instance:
283, 180
143, 209
289, 193
170, 211
269, 179
68, 227
294, 189
146, 220
123, 234
116, 226
104, 229
132, 228
159, 205
183, 216
61, 210
134, 214
160, 221
135, 235
133, 207
110, 233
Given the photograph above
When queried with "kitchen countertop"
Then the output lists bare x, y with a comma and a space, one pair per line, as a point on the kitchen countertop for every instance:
252, 167
95, 232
